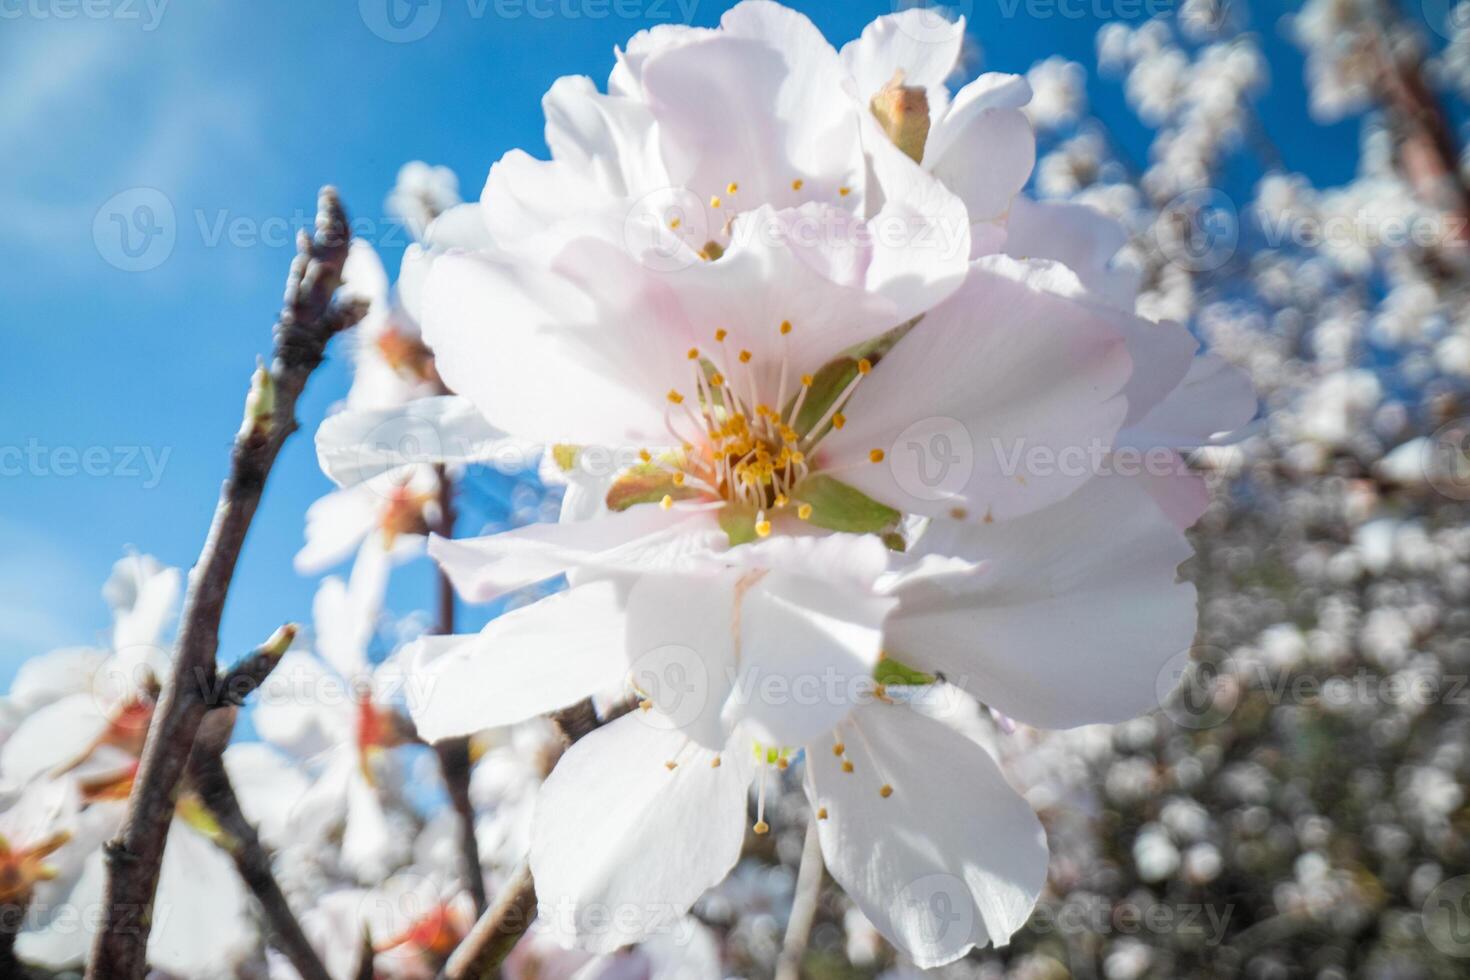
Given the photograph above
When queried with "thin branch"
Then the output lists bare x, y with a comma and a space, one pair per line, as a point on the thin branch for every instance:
803, 905
308, 321
208, 778
454, 753
496, 933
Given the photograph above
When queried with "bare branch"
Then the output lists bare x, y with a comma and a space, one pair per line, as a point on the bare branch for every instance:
208, 778
497, 931
308, 321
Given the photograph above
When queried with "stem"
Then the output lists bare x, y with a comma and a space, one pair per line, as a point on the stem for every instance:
208, 778
308, 320
803, 905
498, 930
454, 753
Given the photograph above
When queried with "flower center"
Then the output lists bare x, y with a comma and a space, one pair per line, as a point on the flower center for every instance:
741, 445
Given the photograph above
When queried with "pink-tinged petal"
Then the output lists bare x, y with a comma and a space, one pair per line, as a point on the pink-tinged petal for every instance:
996, 403
623, 844
951, 858
915, 42
983, 148
1214, 399
525, 663
1067, 616
507, 338
1080, 237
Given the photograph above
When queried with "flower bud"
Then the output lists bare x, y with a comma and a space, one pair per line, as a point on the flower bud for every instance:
903, 112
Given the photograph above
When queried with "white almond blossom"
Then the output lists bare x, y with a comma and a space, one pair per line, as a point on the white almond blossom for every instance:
759, 418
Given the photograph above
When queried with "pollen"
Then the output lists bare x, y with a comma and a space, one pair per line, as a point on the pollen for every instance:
731, 187
785, 327
675, 397
714, 201
885, 791
745, 356
839, 420
797, 184
876, 455
804, 512
865, 366
761, 827
694, 353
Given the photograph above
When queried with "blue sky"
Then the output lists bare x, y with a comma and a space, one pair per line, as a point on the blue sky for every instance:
235, 113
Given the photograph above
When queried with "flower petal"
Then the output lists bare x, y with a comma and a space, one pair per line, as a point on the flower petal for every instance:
1006, 390
1067, 616
525, 663
622, 844
357, 445
951, 859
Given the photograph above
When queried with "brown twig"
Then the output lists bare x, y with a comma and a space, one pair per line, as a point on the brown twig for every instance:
208, 778
308, 321
454, 753
501, 927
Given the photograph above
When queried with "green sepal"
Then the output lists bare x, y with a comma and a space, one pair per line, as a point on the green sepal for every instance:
896, 673
645, 484
738, 523
839, 507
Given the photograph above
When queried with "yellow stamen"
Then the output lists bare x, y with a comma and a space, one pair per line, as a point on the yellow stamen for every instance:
679, 478
694, 353
675, 397
731, 187
806, 380
804, 512
796, 184
839, 420
674, 223
761, 827
714, 201
838, 749
885, 791
847, 765
844, 191
865, 366
644, 455
745, 357
714, 763
822, 813
720, 335
667, 502
876, 455
763, 528
785, 327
